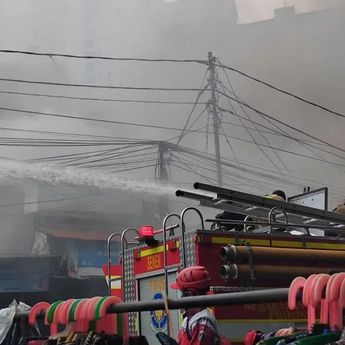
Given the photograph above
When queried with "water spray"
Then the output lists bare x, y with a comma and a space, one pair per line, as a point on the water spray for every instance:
55, 175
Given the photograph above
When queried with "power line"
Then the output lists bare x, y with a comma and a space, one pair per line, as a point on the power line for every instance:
300, 142
248, 117
303, 143
280, 90
68, 156
119, 100
47, 201
280, 132
281, 122
135, 168
111, 158
116, 87
257, 144
94, 120
121, 163
45, 143
60, 133
75, 56
193, 108
290, 152
85, 135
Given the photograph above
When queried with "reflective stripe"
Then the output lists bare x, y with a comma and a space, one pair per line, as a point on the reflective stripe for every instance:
227, 240
278, 243
325, 245
156, 250
288, 244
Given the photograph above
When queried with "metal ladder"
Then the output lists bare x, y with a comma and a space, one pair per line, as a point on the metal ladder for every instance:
259, 207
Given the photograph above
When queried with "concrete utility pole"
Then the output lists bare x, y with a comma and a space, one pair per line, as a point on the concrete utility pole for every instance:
214, 111
162, 177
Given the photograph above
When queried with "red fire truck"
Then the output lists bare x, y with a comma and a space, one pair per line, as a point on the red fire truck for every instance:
281, 246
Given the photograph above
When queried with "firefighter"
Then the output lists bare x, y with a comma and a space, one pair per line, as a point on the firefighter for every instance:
340, 208
276, 195
199, 326
232, 216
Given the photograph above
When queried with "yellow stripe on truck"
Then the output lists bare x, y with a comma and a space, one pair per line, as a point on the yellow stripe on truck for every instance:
227, 240
330, 246
156, 250
288, 244
277, 243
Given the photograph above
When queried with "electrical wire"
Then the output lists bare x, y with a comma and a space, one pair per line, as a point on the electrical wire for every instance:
257, 144
306, 146
282, 133
92, 119
75, 56
92, 164
115, 87
187, 168
137, 168
248, 117
105, 156
228, 141
119, 163
191, 113
282, 123
205, 160
281, 90
54, 133
67, 156
47, 201
120, 100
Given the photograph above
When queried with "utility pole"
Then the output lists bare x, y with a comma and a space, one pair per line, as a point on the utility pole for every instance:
162, 177
214, 111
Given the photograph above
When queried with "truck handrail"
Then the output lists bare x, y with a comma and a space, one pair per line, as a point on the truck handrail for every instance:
183, 229
109, 259
124, 241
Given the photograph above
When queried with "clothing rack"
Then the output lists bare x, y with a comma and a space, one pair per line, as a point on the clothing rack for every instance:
234, 298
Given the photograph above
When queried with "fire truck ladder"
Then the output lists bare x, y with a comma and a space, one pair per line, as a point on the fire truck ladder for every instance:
270, 212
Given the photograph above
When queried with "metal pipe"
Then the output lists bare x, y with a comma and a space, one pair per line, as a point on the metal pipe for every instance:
245, 229
298, 256
183, 230
338, 229
170, 228
254, 200
268, 273
234, 298
123, 241
109, 260
165, 258
272, 218
165, 252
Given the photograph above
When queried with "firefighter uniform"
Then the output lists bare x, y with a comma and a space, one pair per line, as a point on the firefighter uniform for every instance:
199, 326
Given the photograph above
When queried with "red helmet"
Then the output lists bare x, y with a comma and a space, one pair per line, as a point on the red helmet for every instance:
192, 278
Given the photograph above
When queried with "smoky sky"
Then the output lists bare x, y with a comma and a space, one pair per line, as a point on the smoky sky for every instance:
298, 49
